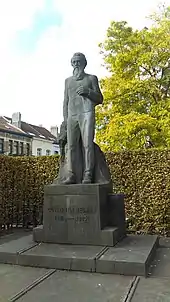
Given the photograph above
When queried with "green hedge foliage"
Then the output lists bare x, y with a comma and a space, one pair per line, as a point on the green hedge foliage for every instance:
22, 181
143, 176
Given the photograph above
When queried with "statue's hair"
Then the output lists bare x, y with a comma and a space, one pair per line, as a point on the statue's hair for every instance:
82, 57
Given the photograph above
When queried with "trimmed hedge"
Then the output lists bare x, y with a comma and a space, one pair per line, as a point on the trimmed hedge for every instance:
144, 177
22, 182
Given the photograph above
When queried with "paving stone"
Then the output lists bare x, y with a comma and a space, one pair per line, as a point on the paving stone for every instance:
152, 290
13, 278
79, 287
15, 234
9, 250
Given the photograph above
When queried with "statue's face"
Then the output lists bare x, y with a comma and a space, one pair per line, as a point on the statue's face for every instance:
78, 62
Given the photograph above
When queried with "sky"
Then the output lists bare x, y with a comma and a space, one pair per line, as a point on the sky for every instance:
37, 41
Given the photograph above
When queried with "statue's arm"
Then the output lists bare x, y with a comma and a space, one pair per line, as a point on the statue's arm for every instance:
65, 103
95, 94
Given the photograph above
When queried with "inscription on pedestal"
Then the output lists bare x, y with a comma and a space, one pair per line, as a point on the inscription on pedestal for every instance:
79, 214
75, 214
71, 218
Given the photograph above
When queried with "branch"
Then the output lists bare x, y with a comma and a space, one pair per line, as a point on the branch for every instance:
167, 89
147, 70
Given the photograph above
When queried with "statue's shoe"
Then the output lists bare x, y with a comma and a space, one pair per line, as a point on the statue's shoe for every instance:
70, 180
87, 179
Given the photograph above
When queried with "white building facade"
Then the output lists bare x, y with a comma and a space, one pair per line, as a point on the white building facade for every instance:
42, 147
21, 138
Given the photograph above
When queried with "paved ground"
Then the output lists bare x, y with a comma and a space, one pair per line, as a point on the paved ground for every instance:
34, 284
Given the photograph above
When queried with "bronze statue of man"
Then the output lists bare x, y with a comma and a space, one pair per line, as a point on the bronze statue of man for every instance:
82, 94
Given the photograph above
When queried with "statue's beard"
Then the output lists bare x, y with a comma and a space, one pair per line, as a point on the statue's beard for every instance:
78, 73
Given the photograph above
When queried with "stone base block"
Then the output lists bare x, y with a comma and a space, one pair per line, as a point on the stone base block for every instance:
108, 236
116, 211
81, 214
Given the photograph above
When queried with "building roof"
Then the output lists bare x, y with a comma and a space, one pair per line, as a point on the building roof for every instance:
38, 132
6, 126
26, 129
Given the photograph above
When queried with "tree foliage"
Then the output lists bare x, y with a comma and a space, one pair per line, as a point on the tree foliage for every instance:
137, 91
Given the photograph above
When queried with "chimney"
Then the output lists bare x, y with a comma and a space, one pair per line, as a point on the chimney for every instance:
16, 119
54, 131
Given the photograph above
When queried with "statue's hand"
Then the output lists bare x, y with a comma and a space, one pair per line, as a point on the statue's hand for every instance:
82, 90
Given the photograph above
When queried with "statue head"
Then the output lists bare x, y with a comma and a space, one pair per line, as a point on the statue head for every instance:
79, 60
78, 63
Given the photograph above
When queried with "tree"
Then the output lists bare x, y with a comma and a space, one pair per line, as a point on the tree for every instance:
137, 92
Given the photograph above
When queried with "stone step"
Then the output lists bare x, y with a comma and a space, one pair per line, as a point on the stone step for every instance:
132, 256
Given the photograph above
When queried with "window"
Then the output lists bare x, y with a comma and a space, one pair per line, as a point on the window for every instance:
27, 149
16, 148
48, 152
39, 151
1, 145
10, 146
21, 148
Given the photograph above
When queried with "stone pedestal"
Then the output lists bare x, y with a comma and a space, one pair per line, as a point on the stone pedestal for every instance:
83, 224
80, 214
